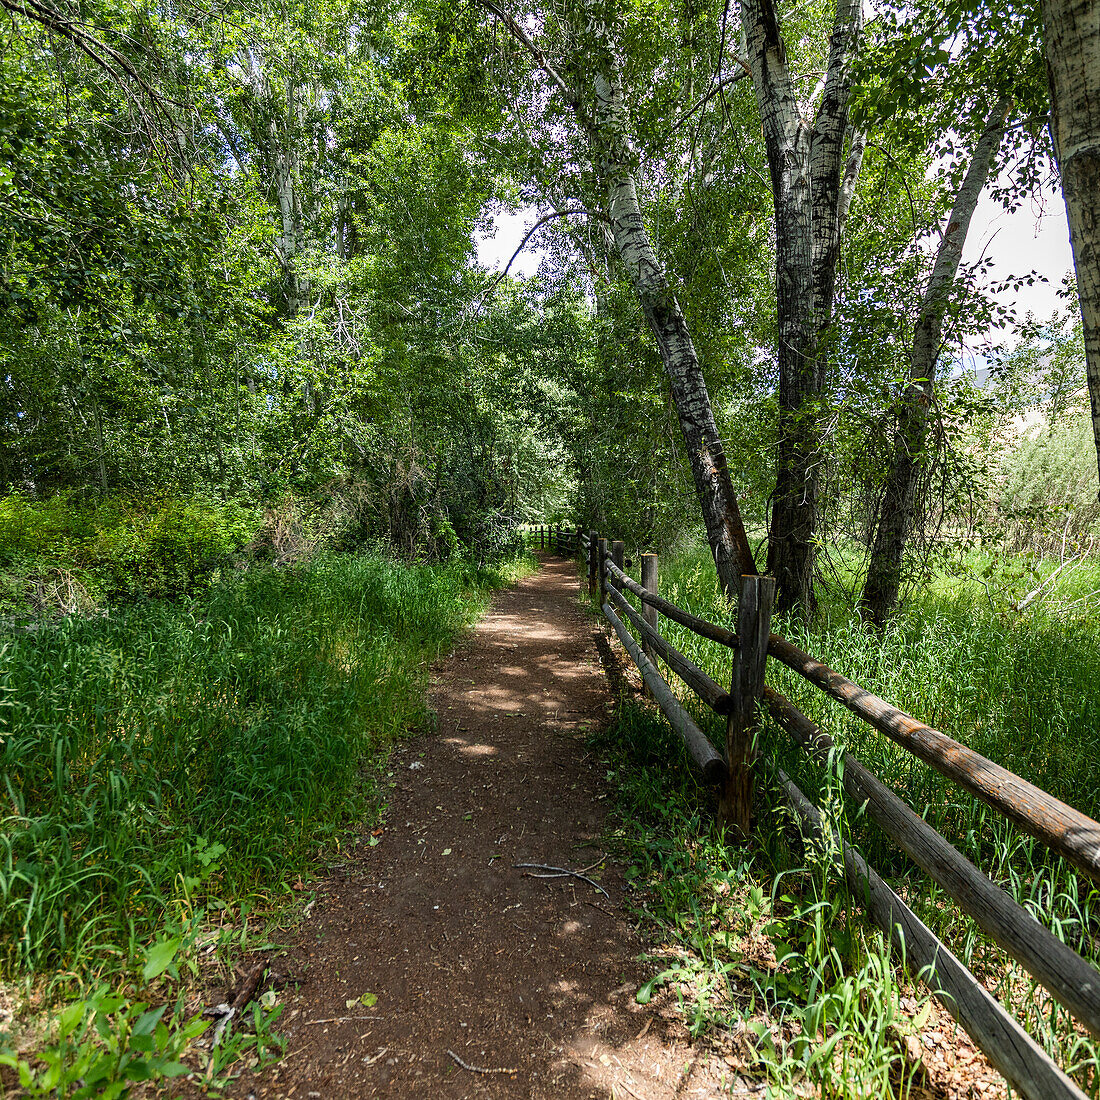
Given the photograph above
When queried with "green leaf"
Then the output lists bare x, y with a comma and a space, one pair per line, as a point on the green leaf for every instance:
69, 1018
193, 1028
140, 1070
160, 957
148, 1021
645, 992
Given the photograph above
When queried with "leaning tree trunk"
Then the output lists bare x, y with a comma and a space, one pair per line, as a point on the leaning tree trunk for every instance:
607, 131
714, 489
1071, 37
897, 506
812, 184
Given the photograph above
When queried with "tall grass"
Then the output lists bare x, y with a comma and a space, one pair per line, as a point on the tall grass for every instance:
168, 755
760, 944
1020, 688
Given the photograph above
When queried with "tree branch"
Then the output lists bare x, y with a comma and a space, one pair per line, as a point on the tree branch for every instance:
530, 233
527, 42
103, 56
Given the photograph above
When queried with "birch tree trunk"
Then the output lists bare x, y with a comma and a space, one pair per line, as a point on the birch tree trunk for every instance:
607, 130
897, 507
812, 185
706, 455
271, 118
1071, 40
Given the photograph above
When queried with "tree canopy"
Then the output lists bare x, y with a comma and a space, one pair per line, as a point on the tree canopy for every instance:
237, 256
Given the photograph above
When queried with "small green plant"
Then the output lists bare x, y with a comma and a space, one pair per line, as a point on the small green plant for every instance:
259, 1045
105, 1044
1021, 686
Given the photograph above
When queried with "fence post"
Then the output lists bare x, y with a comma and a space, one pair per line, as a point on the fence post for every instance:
754, 610
601, 567
557, 539
649, 613
593, 562
618, 552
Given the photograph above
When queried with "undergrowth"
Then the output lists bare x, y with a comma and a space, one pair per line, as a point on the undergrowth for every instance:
65, 555
1022, 688
165, 769
761, 947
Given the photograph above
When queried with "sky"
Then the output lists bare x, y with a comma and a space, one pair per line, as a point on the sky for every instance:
1033, 237
495, 252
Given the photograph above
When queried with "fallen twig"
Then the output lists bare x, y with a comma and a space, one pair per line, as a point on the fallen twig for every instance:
341, 1019
477, 1069
637, 1095
561, 872
244, 995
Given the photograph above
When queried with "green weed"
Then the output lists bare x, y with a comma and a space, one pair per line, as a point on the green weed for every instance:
1021, 687
169, 761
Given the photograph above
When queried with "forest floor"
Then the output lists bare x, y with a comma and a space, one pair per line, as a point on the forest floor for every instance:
430, 963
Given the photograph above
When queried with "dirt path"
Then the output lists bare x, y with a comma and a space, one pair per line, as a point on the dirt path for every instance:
445, 948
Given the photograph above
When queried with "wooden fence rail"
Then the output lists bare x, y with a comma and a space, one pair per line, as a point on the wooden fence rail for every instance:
1071, 979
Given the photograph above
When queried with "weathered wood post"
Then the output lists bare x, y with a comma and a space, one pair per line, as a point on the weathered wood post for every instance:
557, 539
618, 553
650, 584
593, 562
542, 537
754, 611
601, 566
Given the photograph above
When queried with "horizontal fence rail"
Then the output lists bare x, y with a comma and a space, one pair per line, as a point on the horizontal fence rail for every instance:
1064, 830
1070, 979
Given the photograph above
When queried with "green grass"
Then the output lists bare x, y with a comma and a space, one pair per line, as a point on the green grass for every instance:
762, 944
136, 743
170, 760
1022, 688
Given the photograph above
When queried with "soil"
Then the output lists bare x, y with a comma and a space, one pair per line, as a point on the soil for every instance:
431, 964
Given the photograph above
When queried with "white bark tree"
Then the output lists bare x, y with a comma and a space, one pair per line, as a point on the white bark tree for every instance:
593, 88
814, 160
1071, 39
897, 507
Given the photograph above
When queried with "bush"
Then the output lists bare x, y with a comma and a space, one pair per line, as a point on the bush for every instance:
1048, 494
64, 554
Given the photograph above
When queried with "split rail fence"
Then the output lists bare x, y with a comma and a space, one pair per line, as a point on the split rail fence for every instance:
1071, 979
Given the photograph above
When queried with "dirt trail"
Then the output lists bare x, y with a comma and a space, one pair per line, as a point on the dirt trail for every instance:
530, 981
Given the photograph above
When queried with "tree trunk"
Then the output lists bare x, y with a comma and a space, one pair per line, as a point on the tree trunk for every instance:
907, 454
607, 130
812, 185
706, 455
1071, 38
102, 457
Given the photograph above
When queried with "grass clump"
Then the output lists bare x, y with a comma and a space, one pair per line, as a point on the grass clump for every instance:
1020, 686
170, 752
762, 948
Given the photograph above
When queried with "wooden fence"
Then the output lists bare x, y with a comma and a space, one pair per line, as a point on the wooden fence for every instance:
1072, 980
